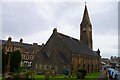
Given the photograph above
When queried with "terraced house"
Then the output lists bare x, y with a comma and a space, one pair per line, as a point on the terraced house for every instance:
27, 51
62, 51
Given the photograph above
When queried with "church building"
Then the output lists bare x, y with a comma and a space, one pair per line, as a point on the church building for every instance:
64, 51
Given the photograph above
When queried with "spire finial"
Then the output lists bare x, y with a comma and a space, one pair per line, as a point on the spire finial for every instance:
85, 3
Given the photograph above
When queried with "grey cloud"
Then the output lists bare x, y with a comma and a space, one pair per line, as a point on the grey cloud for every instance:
115, 46
105, 23
21, 19
119, 17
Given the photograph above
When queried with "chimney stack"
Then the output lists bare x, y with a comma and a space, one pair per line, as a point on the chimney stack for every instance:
9, 39
21, 40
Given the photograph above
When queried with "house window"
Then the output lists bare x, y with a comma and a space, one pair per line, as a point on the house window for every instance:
27, 57
31, 57
16, 48
33, 52
24, 57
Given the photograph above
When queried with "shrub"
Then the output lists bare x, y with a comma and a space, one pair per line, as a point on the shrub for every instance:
16, 76
81, 73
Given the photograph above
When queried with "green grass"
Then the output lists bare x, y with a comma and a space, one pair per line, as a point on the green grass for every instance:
39, 76
91, 76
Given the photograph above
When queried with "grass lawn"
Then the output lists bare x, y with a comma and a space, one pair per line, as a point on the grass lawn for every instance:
39, 76
91, 76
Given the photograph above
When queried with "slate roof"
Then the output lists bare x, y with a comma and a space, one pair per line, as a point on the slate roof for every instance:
76, 46
56, 58
39, 58
2, 42
25, 45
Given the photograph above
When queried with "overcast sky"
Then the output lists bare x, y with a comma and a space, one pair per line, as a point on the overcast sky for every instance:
34, 21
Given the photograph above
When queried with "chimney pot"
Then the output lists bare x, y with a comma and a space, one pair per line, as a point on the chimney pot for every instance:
21, 40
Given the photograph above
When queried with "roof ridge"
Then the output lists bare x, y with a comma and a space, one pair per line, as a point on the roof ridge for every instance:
68, 36
16, 42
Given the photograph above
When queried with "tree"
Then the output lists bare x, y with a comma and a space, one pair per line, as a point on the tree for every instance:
15, 61
81, 73
4, 60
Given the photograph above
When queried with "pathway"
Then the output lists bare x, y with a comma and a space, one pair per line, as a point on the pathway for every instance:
103, 76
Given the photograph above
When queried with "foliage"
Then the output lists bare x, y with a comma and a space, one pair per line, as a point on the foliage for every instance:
66, 71
93, 75
22, 69
4, 60
40, 72
3, 78
15, 61
16, 76
22, 75
81, 73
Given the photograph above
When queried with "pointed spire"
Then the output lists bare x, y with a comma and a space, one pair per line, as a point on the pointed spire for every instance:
86, 19
98, 50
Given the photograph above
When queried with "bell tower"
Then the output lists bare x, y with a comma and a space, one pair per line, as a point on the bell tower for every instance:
86, 29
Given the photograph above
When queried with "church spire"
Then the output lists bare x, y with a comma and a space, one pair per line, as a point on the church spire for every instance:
86, 29
86, 19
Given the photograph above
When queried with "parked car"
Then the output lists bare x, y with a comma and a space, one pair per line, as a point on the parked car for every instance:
118, 76
110, 72
114, 74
